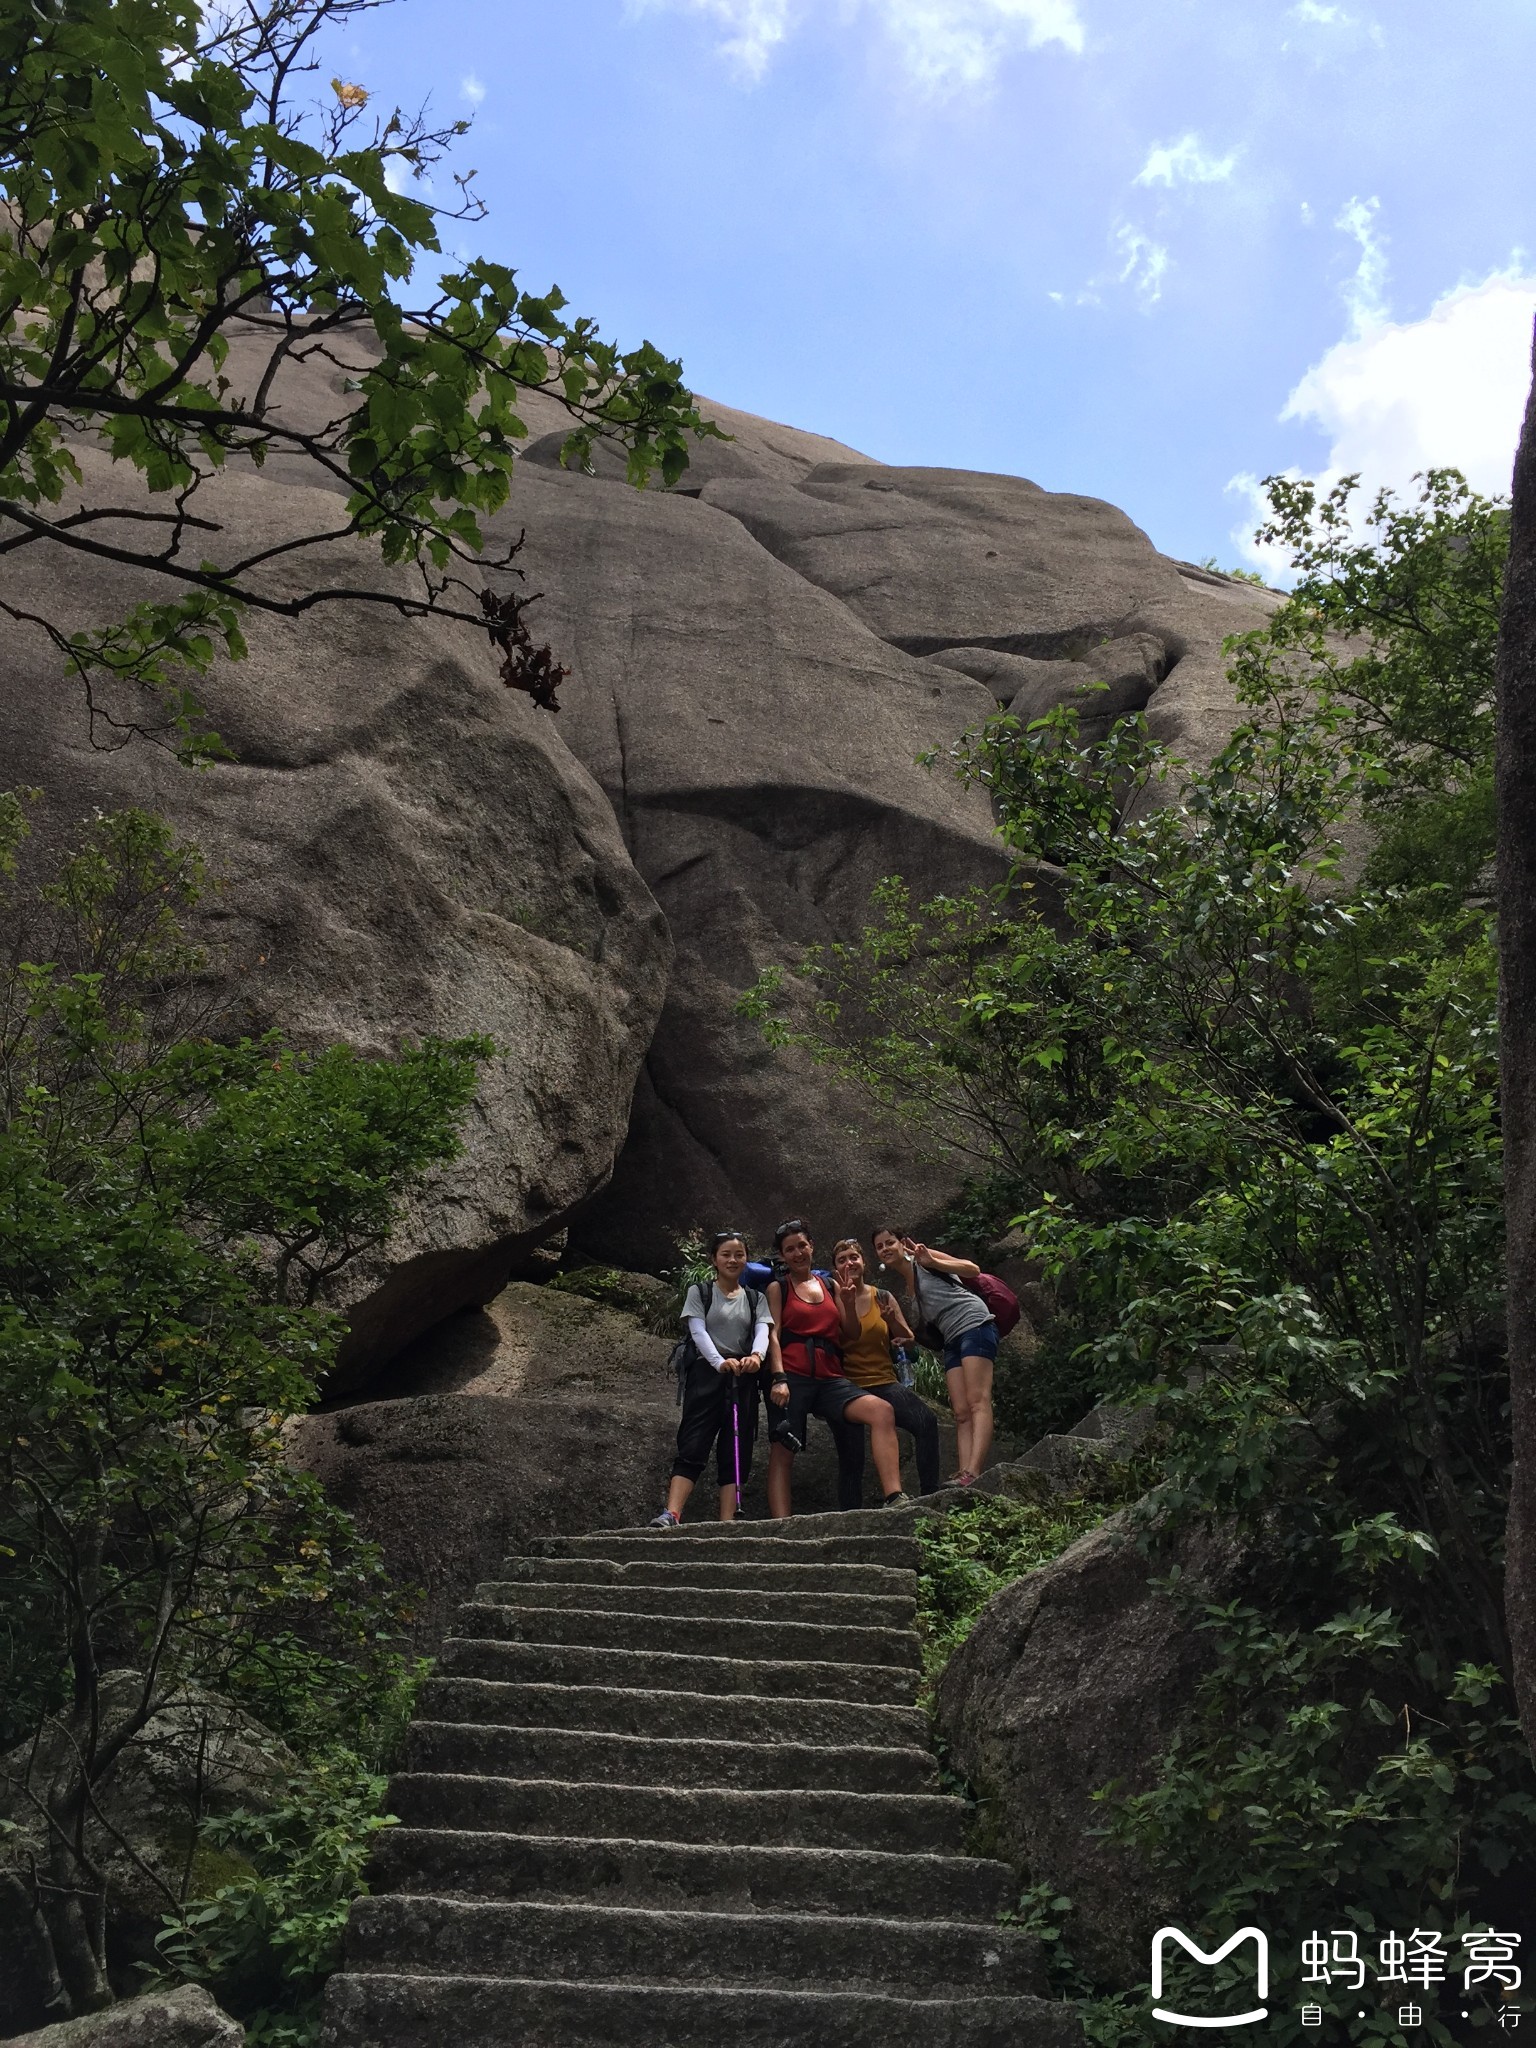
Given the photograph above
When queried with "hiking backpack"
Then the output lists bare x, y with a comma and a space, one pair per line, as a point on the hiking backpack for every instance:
1000, 1298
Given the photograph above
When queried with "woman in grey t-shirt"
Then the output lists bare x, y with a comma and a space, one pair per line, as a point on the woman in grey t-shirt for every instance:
935, 1284
732, 1332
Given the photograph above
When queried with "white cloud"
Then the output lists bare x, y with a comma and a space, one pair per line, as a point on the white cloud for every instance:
1365, 294
1137, 264
1184, 163
1143, 264
1345, 30
940, 42
754, 28
472, 89
962, 42
1448, 390
1396, 397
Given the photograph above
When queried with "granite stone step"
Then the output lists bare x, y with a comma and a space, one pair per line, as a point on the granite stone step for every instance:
479, 1862
904, 1958
668, 1671
716, 1567
742, 1757
381, 2010
838, 1524
619, 1710
745, 1602
624, 1547
709, 1635
664, 1813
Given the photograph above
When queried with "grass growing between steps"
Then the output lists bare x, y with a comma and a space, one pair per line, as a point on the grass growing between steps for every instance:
976, 1550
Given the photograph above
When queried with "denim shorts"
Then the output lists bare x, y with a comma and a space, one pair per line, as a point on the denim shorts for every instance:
978, 1343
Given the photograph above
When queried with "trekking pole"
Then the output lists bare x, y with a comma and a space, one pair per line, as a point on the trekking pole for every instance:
736, 1431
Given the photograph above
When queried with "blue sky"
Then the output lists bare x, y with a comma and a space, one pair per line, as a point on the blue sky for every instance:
1139, 251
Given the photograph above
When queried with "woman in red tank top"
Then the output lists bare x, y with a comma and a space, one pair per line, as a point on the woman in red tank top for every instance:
811, 1320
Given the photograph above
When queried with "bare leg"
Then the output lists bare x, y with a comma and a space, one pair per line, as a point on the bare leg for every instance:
781, 1465
884, 1449
977, 1375
728, 1502
677, 1494
960, 1407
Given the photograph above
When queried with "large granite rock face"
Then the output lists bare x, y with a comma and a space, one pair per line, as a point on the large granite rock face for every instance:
401, 847
755, 675
957, 566
758, 746
759, 657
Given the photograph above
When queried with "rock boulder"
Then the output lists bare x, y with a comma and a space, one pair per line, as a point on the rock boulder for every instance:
1076, 1675
401, 846
758, 745
756, 670
759, 658
198, 1755
184, 2018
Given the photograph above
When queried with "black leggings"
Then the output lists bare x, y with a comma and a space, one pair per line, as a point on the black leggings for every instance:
914, 1416
707, 1398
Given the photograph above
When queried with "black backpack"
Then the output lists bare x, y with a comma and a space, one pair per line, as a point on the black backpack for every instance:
685, 1351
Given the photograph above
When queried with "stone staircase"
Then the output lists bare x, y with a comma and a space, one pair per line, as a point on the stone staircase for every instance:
674, 1791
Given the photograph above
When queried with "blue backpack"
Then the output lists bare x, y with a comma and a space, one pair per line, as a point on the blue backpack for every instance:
758, 1272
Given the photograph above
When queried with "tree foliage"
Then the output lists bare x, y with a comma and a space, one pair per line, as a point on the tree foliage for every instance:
169, 1205
182, 225
1228, 1041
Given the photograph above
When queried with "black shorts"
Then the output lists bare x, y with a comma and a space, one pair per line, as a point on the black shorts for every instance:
808, 1397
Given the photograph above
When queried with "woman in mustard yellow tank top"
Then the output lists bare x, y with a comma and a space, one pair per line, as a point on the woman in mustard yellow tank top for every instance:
868, 1362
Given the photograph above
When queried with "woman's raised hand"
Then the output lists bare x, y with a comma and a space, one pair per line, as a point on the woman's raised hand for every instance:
918, 1253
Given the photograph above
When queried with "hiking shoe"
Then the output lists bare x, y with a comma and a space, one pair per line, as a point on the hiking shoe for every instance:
666, 1520
897, 1500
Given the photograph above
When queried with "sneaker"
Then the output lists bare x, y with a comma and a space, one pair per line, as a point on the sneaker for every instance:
962, 1479
897, 1500
666, 1520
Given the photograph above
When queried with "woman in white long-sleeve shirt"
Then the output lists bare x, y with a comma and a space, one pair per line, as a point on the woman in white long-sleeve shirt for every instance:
732, 1336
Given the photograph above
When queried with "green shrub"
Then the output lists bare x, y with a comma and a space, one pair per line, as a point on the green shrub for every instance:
1048, 1392
171, 1204
266, 1942
977, 1549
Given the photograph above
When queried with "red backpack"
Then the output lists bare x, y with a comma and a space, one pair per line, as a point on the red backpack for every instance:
1000, 1298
